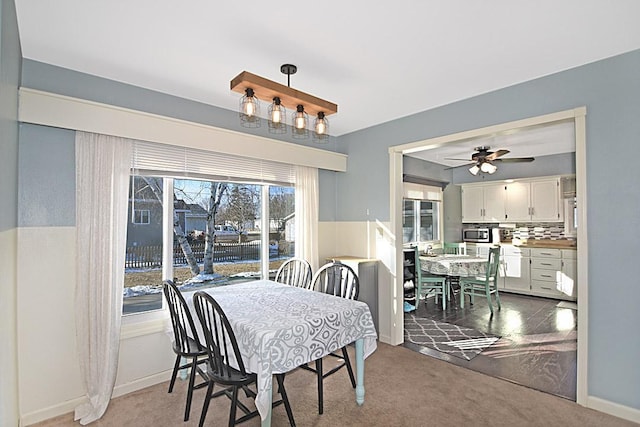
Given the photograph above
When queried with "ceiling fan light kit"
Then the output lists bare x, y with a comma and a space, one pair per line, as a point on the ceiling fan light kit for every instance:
482, 160
282, 97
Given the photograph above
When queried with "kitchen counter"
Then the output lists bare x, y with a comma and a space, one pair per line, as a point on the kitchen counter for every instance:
543, 243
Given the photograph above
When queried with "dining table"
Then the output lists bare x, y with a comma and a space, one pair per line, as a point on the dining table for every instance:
280, 327
454, 265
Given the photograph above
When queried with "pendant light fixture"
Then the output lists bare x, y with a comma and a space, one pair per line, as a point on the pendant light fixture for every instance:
277, 116
249, 110
282, 97
321, 128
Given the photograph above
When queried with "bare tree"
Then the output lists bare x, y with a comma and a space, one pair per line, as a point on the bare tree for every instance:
155, 184
242, 205
281, 205
217, 192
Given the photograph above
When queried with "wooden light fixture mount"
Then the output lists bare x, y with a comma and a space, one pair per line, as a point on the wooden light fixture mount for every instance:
266, 90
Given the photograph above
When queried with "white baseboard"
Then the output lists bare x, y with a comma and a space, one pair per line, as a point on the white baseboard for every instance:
615, 409
70, 405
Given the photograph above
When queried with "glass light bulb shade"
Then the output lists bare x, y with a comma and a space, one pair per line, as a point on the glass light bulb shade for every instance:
276, 115
300, 120
474, 170
492, 169
487, 167
321, 125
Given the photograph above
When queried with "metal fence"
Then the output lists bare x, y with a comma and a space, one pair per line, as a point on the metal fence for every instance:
151, 256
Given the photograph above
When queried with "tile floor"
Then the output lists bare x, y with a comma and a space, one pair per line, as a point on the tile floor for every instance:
537, 346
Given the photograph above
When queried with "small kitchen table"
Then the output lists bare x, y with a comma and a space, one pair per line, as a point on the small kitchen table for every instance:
280, 327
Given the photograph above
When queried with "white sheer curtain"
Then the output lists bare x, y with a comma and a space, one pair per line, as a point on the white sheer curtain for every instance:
102, 177
307, 202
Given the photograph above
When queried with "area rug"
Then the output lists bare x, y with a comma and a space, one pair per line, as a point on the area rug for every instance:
457, 341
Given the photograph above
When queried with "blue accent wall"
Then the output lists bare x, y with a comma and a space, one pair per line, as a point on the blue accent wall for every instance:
47, 191
610, 89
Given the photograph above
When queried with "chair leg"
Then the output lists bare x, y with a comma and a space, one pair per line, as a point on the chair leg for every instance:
347, 362
444, 295
234, 406
498, 298
192, 379
461, 296
205, 405
488, 293
175, 373
285, 399
319, 371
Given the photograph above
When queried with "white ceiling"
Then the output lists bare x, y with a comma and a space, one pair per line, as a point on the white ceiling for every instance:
531, 142
377, 61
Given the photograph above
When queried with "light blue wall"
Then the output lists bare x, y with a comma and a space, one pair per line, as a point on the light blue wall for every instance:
10, 57
47, 192
610, 89
10, 61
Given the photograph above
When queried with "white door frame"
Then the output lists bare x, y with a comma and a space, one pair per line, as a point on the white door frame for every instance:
576, 115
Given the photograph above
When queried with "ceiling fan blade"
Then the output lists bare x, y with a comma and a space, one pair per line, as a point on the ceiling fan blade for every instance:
462, 160
496, 154
516, 160
459, 166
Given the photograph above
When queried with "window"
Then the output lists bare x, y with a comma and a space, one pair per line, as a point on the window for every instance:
141, 216
421, 213
204, 233
420, 221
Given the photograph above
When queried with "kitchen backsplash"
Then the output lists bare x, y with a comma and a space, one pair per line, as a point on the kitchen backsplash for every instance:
530, 231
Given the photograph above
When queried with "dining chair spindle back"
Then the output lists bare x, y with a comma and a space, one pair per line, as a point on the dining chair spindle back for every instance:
295, 272
427, 283
186, 343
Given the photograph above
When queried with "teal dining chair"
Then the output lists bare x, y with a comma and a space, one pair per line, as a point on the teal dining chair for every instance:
454, 248
486, 285
427, 283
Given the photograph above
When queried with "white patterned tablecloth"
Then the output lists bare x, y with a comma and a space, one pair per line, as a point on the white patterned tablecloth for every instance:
279, 327
454, 265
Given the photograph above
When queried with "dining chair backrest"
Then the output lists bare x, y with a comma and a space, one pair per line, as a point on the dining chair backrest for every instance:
455, 248
493, 262
337, 279
221, 344
295, 272
181, 319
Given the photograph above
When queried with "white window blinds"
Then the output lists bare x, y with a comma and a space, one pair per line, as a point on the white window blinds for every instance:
169, 160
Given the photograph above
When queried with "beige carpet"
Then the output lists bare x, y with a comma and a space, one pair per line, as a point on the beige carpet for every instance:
403, 388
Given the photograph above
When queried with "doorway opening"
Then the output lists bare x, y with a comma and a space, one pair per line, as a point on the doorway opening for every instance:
577, 117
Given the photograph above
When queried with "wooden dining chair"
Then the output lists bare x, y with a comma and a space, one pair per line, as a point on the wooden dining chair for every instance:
337, 279
486, 285
295, 272
224, 364
186, 343
427, 283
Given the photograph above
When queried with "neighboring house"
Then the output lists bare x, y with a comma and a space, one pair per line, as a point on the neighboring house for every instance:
145, 217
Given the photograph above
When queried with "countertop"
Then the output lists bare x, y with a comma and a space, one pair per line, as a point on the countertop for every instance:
544, 243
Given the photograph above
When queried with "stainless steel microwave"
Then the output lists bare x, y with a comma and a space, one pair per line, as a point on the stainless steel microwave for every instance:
477, 235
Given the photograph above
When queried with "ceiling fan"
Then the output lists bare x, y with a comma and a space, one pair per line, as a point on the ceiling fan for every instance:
483, 160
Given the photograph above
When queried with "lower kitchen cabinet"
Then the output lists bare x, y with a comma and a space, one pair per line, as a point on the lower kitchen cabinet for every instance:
538, 271
515, 269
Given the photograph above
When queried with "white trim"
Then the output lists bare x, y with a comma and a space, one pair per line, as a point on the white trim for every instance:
615, 409
143, 327
69, 405
577, 115
55, 110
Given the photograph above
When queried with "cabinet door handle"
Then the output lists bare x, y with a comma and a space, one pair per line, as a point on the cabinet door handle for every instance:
545, 263
546, 275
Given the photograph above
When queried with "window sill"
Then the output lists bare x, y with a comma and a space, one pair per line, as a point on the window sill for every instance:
144, 324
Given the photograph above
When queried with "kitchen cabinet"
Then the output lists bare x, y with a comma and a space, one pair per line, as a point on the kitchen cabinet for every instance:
546, 265
515, 269
569, 273
526, 200
483, 203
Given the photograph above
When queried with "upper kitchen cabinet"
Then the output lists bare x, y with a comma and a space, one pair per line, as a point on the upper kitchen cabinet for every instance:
526, 200
535, 200
483, 203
